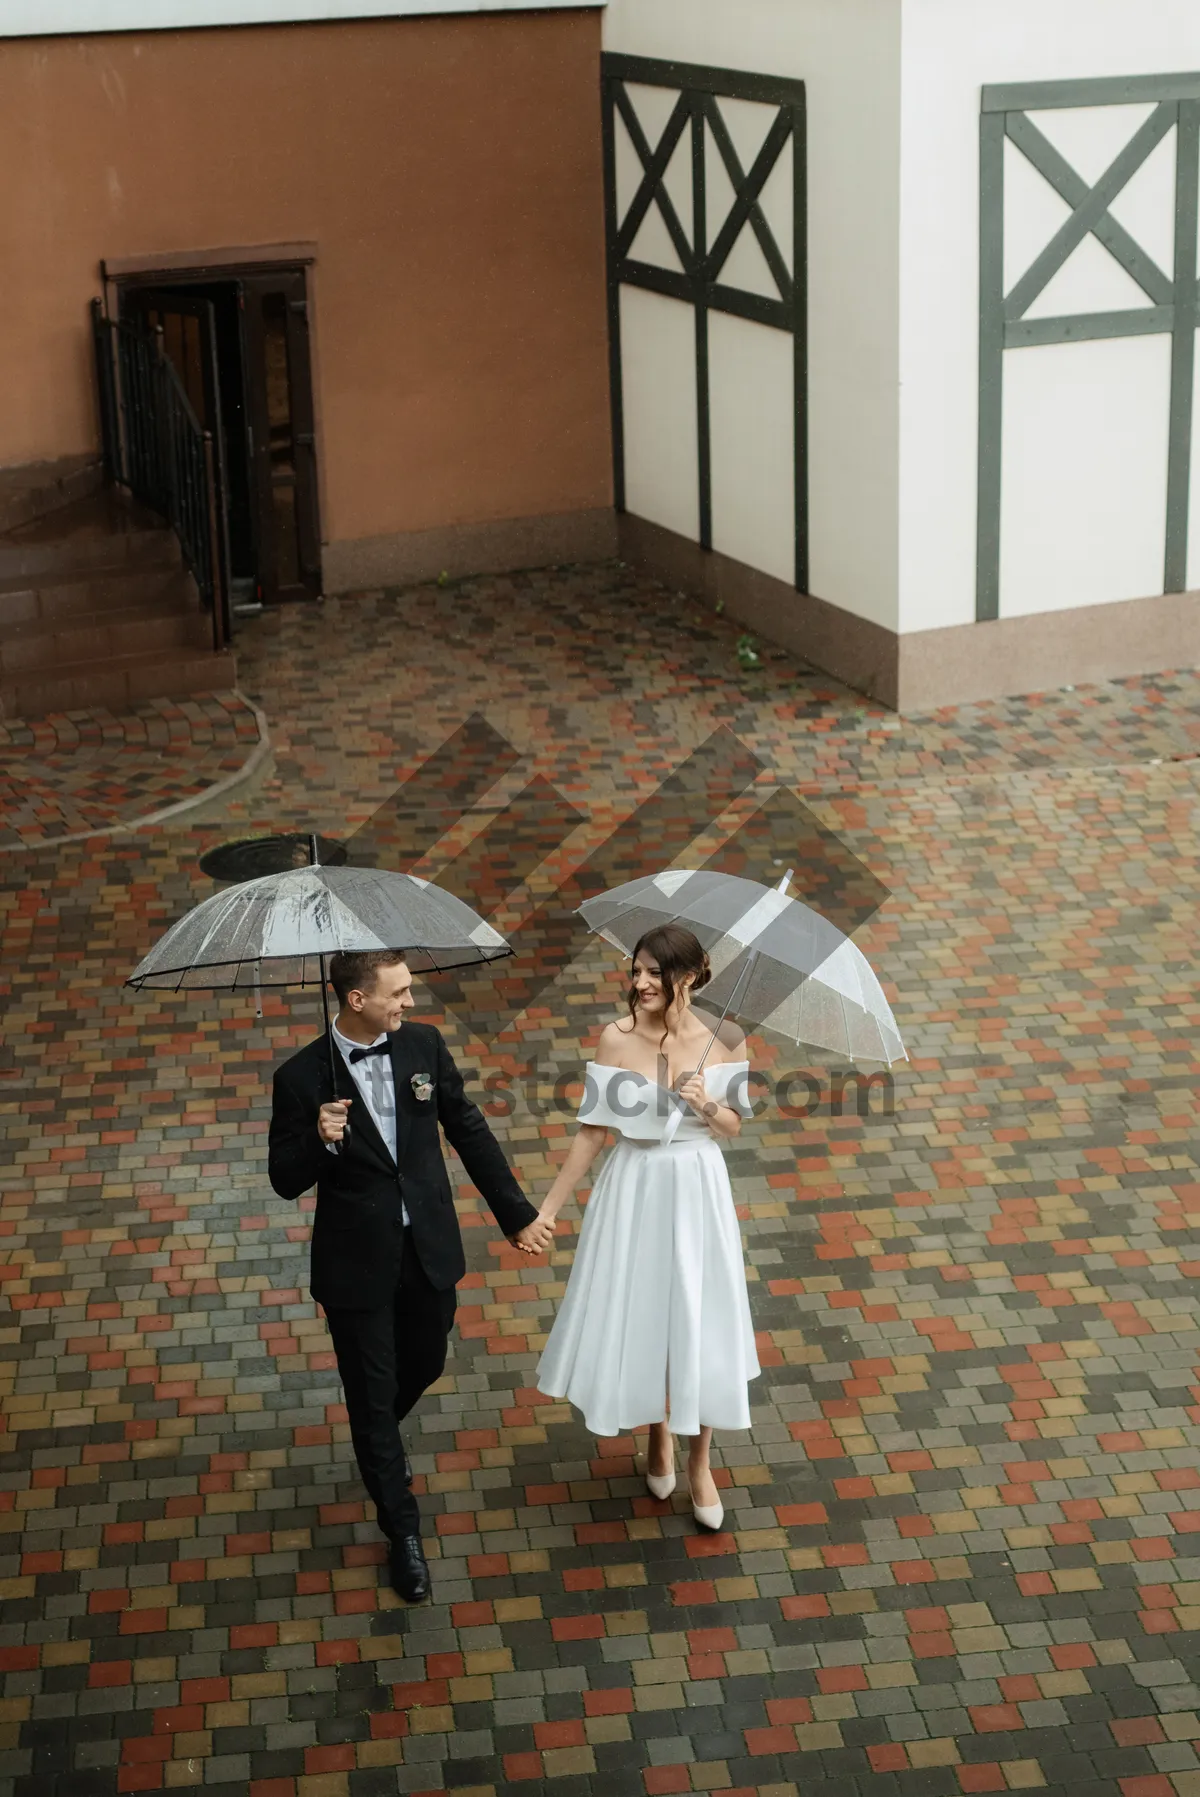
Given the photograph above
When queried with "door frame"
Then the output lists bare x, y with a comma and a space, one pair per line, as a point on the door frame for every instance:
231, 263
288, 286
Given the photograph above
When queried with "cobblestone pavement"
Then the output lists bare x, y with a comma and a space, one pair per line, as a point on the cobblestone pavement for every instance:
93, 770
961, 1542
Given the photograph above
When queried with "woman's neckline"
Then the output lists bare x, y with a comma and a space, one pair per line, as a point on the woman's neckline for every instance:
671, 1091
709, 1027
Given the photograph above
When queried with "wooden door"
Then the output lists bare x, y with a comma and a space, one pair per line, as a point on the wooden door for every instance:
279, 403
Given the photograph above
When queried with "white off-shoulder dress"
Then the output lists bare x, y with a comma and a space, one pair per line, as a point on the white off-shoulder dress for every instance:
657, 1292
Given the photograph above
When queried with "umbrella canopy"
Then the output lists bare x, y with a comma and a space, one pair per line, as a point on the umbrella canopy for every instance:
279, 930
777, 964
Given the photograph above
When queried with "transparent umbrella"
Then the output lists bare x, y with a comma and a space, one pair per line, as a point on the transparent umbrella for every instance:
280, 930
777, 964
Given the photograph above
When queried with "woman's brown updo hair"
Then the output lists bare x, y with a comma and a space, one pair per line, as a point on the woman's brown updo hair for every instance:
677, 953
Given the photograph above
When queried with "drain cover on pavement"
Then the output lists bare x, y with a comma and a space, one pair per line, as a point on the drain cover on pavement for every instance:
257, 855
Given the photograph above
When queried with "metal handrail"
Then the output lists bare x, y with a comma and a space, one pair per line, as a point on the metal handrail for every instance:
155, 447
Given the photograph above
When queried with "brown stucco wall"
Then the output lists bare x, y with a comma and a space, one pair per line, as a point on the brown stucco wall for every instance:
448, 171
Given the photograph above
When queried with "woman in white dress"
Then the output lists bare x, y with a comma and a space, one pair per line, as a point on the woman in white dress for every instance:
655, 1324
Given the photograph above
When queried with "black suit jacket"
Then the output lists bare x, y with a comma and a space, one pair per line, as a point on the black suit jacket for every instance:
357, 1230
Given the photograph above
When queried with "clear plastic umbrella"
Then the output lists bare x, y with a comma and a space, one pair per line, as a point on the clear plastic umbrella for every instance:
279, 931
776, 963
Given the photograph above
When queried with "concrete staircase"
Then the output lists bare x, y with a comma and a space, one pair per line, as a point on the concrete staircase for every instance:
34, 489
97, 611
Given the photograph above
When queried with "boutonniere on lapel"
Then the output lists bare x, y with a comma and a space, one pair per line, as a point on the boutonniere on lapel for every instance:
422, 1087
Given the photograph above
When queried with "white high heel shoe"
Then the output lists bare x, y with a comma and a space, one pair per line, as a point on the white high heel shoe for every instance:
709, 1516
661, 1485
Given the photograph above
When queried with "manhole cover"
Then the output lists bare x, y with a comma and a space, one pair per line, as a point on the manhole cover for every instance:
257, 855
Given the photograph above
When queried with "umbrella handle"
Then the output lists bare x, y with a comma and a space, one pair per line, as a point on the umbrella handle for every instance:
742, 980
314, 860
743, 977
680, 1105
336, 1146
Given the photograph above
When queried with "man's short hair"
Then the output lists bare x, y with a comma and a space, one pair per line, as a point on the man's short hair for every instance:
356, 972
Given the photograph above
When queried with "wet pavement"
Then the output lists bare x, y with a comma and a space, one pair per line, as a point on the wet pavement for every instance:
961, 1542
81, 772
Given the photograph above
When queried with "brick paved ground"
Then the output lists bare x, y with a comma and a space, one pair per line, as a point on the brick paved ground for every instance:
93, 770
961, 1545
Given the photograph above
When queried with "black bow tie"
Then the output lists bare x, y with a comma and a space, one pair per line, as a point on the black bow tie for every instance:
360, 1054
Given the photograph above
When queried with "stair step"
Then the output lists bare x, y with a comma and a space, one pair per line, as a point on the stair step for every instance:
117, 684
38, 488
76, 559
90, 535
23, 602
97, 610
133, 630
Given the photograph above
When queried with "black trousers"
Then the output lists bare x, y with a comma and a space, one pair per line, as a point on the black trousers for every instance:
387, 1358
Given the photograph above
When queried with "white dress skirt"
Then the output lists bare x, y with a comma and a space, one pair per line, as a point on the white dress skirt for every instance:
657, 1292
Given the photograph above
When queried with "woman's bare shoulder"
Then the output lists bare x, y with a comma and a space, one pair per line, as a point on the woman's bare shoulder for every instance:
611, 1045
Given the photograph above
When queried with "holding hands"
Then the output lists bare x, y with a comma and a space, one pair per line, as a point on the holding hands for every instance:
536, 1236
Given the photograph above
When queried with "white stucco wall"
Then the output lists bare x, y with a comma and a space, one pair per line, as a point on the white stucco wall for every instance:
1085, 425
847, 51
658, 386
48, 18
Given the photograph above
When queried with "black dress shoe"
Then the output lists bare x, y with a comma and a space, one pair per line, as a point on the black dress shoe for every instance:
409, 1570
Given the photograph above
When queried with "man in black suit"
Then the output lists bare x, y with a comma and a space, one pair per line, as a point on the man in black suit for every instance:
386, 1250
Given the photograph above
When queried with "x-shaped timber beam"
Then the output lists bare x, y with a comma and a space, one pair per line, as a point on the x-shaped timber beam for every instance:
1090, 212
747, 191
747, 187
654, 164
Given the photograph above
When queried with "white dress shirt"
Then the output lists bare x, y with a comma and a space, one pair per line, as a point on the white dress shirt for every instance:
377, 1088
